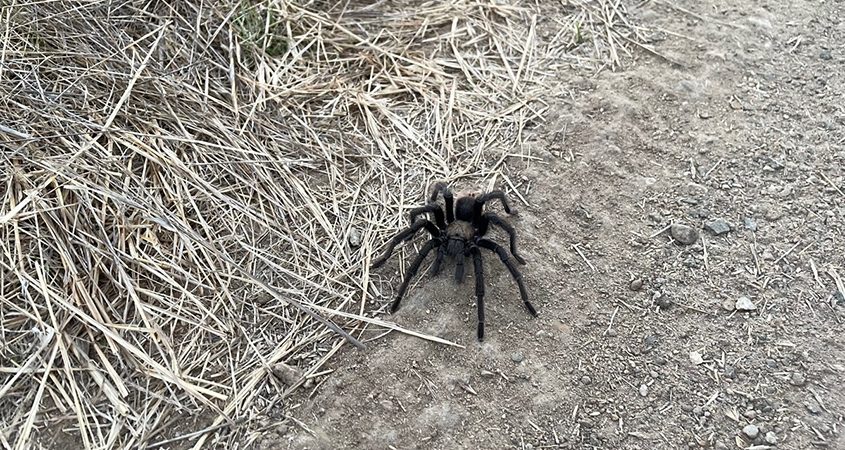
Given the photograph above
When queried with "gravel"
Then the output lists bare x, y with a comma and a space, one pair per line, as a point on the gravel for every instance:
387, 405
517, 357
745, 304
664, 302
696, 358
797, 379
717, 227
751, 431
643, 390
636, 284
684, 234
354, 237
838, 298
771, 438
750, 224
287, 374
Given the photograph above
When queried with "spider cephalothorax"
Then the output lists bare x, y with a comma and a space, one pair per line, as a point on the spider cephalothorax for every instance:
459, 233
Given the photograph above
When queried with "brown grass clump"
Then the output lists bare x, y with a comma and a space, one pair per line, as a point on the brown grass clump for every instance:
190, 192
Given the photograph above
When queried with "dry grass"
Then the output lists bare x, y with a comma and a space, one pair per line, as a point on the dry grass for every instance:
189, 193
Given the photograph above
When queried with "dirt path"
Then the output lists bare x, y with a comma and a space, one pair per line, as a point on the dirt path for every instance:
747, 128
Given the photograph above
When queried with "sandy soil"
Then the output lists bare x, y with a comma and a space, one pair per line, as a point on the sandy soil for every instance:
638, 343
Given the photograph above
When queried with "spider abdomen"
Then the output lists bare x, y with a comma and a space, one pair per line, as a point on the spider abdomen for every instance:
460, 229
458, 234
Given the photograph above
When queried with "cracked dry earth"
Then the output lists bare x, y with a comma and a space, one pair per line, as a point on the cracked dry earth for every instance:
639, 343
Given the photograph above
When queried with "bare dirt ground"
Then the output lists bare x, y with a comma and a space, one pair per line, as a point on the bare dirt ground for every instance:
639, 343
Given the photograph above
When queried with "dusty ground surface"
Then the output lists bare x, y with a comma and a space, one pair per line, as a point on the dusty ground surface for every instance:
638, 343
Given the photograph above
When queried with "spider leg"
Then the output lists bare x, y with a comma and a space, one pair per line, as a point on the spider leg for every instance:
430, 208
459, 268
435, 268
405, 235
447, 196
503, 255
482, 199
496, 220
412, 270
479, 289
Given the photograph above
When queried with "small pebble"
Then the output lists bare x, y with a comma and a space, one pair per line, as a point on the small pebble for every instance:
728, 305
487, 374
750, 224
717, 227
643, 390
745, 304
683, 234
730, 371
586, 423
750, 414
797, 379
517, 357
813, 408
636, 284
720, 446
653, 374
660, 361
387, 405
354, 237
664, 302
751, 431
696, 358
287, 374
825, 55
611, 332
698, 411
771, 363
771, 438
774, 215
772, 165
586, 380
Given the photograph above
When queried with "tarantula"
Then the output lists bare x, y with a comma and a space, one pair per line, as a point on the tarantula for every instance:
459, 234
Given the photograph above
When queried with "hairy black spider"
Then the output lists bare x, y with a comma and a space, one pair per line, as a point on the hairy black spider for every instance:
459, 233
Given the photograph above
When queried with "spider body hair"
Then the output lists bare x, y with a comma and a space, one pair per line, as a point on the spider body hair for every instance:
459, 232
